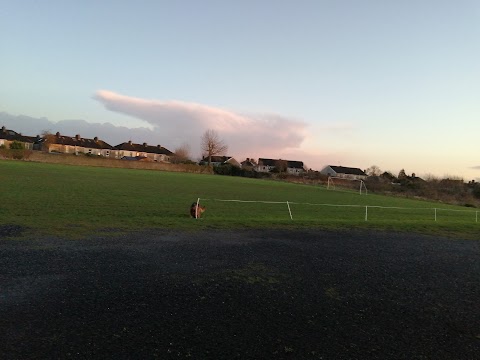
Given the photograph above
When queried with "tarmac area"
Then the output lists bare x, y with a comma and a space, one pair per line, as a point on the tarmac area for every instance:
250, 294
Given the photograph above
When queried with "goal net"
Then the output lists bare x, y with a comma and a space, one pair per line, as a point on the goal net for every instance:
345, 183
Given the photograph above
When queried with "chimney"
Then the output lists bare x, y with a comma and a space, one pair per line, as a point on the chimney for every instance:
95, 139
3, 129
57, 134
144, 144
129, 142
77, 137
158, 146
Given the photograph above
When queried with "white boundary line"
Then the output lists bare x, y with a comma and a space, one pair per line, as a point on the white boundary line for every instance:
342, 205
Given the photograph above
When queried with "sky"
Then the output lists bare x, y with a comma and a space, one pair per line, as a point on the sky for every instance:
394, 84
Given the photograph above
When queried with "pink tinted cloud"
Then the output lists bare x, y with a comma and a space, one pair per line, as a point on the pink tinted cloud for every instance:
177, 122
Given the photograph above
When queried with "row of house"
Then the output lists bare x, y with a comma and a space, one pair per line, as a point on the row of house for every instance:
9, 136
289, 166
58, 143
263, 164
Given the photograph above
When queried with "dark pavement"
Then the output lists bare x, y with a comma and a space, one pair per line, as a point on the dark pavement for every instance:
266, 294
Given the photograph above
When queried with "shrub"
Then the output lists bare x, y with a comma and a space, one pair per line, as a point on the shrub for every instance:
16, 154
17, 145
227, 169
476, 191
231, 170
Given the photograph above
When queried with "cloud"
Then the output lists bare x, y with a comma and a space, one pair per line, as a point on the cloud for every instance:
258, 135
174, 123
475, 167
111, 134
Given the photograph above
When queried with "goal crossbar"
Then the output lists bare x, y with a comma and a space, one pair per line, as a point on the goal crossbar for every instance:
331, 183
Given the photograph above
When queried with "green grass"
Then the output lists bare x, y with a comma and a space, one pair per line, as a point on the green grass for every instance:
73, 201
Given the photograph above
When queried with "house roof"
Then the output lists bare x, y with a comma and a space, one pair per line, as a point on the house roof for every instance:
347, 170
249, 162
11, 135
217, 159
295, 164
7, 134
220, 158
136, 158
273, 162
77, 140
129, 146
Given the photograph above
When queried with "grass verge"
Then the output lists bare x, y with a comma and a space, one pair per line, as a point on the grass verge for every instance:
73, 201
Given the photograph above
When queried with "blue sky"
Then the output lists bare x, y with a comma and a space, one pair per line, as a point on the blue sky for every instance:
353, 83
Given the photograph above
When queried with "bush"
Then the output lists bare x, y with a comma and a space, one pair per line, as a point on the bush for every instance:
231, 170
17, 145
476, 191
228, 169
16, 154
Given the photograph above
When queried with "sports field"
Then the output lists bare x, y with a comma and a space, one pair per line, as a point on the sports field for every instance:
75, 200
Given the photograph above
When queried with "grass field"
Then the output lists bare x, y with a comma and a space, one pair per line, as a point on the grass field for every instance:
75, 200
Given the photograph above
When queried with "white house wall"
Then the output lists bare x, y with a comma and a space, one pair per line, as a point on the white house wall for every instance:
264, 168
6, 143
294, 171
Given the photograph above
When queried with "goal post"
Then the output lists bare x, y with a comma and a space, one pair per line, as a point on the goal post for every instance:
362, 188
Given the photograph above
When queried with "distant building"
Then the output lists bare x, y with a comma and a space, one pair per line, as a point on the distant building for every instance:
220, 160
290, 166
248, 164
153, 153
344, 172
9, 136
58, 143
265, 165
77, 145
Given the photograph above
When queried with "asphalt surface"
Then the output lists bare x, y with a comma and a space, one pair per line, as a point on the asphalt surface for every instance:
266, 294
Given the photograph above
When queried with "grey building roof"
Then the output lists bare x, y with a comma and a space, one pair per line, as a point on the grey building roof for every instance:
129, 146
216, 159
347, 170
11, 135
273, 162
77, 140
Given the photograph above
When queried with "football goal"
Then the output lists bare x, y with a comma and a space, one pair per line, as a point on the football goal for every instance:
359, 184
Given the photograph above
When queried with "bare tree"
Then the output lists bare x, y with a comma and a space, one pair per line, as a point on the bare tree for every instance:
373, 170
281, 166
182, 153
212, 145
48, 138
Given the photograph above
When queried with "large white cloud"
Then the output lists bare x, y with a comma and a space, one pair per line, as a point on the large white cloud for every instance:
174, 123
247, 135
